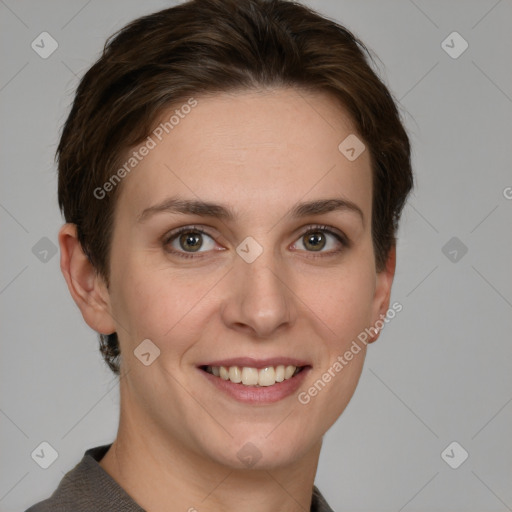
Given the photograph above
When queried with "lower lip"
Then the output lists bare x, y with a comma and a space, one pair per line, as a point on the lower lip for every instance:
258, 394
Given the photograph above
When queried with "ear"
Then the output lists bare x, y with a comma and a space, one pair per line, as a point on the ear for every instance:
86, 286
384, 280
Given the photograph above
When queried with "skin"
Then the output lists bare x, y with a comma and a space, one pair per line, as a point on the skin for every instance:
260, 153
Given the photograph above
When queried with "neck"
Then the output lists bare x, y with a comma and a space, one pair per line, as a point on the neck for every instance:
157, 470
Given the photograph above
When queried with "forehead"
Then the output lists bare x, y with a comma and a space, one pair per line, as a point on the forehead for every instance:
253, 149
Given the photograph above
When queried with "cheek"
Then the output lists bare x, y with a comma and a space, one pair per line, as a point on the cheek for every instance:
341, 301
159, 304
342, 313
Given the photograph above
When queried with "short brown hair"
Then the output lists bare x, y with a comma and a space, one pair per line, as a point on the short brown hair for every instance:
208, 46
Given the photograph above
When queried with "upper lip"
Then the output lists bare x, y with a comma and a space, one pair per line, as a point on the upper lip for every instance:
257, 363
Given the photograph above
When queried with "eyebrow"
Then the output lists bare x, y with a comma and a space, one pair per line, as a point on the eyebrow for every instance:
208, 209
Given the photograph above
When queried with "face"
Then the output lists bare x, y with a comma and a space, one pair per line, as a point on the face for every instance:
254, 280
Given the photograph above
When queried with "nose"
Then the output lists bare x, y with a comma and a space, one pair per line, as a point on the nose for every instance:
260, 302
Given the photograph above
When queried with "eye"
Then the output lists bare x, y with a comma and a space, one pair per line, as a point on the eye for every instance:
317, 238
188, 240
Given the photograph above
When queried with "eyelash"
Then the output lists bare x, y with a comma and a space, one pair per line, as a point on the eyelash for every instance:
311, 229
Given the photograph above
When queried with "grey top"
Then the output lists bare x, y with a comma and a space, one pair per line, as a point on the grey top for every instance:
88, 487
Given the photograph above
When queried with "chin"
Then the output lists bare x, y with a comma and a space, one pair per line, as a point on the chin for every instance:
262, 453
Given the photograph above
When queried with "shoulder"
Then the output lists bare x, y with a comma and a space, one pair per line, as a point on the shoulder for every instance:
318, 503
43, 506
84, 488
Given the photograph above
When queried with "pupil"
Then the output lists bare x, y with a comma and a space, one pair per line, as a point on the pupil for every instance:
316, 240
193, 239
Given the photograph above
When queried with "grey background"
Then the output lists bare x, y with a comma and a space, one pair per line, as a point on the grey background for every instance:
440, 372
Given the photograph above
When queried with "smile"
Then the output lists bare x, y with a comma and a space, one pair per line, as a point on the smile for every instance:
248, 376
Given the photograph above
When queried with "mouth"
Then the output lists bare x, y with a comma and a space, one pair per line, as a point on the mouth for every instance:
256, 381
251, 376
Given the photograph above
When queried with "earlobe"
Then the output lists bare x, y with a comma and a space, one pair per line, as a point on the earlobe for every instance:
86, 286
384, 281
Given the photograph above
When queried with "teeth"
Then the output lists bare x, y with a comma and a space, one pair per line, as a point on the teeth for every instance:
249, 376
235, 375
252, 376
267, 376
280, 373
288, 371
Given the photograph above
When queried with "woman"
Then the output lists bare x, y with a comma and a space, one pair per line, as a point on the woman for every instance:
232, 175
